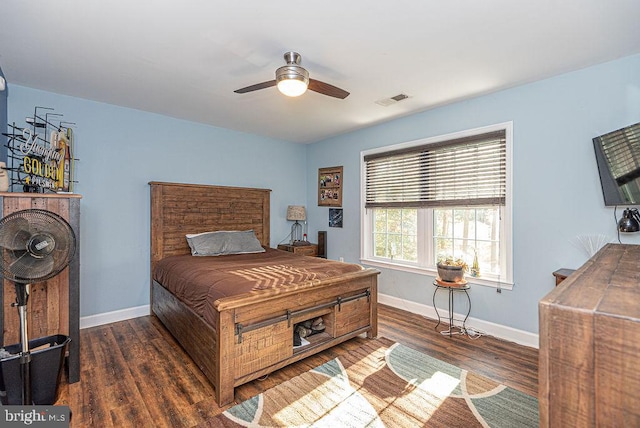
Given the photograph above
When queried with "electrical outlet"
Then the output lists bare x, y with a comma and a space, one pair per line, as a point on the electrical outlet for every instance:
341, 259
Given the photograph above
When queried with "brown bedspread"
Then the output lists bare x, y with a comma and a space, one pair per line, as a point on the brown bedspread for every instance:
200, 281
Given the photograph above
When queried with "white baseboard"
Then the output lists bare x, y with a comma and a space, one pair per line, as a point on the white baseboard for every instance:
115, 316
497, 330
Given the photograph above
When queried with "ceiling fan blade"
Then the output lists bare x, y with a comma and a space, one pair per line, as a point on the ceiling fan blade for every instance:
14, 234
256, 87
327, 89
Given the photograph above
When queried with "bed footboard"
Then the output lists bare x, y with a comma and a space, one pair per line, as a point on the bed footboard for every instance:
256, 334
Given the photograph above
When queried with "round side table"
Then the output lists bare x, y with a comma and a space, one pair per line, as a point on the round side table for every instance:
451, 287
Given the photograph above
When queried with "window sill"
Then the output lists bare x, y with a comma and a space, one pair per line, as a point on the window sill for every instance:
487, 282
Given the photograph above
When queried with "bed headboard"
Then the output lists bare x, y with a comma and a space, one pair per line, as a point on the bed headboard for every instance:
179, 209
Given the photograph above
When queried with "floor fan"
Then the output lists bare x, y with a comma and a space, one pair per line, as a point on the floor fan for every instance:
36, 245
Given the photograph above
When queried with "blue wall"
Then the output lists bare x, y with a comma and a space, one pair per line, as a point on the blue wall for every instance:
3, 121
556, 189
120, 151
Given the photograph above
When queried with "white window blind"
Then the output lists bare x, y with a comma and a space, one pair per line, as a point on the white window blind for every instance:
469, 171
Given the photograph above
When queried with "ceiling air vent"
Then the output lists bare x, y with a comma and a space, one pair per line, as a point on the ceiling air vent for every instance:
386, 102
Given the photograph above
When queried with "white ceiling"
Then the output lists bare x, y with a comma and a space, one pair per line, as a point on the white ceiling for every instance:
185, 58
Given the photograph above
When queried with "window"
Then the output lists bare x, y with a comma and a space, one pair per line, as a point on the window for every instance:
469, 233
438, 197
395, 234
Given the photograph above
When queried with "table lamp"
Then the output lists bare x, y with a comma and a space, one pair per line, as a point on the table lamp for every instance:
296, 213
630, 221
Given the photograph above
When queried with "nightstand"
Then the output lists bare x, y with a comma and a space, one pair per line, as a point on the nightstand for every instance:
562, 274
305, 250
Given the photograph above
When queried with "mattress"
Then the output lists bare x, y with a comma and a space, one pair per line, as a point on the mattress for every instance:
200, 281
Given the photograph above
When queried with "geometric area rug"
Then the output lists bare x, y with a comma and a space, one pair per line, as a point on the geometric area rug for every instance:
384, 385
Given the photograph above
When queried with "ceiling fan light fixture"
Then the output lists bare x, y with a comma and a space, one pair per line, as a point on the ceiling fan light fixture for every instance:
292, 80
292, 87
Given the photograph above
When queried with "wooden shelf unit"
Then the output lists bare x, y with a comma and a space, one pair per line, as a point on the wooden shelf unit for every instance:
54, 305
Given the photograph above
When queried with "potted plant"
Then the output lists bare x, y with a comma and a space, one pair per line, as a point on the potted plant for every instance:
452, 269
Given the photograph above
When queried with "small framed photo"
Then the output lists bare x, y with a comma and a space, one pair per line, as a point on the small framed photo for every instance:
335, 217
330, 187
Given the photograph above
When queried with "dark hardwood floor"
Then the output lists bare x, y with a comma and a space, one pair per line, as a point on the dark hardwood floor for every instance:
133, 373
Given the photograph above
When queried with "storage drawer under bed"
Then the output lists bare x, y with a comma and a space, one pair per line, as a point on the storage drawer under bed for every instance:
351, 315
263, 344
263, 347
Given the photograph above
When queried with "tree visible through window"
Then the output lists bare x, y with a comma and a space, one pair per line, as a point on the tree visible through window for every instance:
463, 233
395, 234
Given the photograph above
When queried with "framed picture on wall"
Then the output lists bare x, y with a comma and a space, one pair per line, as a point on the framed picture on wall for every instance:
335, 217
330, 187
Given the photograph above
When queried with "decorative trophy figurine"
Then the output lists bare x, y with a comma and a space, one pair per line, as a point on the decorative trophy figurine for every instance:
475, 267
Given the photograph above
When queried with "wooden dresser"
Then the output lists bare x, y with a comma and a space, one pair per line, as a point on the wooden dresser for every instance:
54, 305
589, 373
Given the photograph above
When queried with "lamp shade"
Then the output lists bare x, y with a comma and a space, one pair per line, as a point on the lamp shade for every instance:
292, 87
296, 212
292, 80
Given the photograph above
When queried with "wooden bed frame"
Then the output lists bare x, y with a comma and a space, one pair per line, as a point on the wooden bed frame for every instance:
255, 333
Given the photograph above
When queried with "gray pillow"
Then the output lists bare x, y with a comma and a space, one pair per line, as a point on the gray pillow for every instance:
224, 242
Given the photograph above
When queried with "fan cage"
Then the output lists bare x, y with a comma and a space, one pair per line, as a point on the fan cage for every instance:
21, 265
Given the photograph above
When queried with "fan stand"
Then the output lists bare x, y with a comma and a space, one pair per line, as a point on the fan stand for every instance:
36, 245
22, 295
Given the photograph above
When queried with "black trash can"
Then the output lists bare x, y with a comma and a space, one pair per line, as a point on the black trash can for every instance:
47, 360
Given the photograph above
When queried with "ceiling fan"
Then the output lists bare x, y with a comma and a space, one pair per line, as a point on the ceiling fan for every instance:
293, 80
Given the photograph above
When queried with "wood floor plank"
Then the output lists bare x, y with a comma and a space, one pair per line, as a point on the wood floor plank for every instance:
134, 373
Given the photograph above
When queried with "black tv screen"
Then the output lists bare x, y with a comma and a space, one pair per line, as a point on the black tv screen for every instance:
618, 158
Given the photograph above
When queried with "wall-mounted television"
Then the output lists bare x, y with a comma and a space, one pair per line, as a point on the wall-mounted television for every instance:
618, 158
